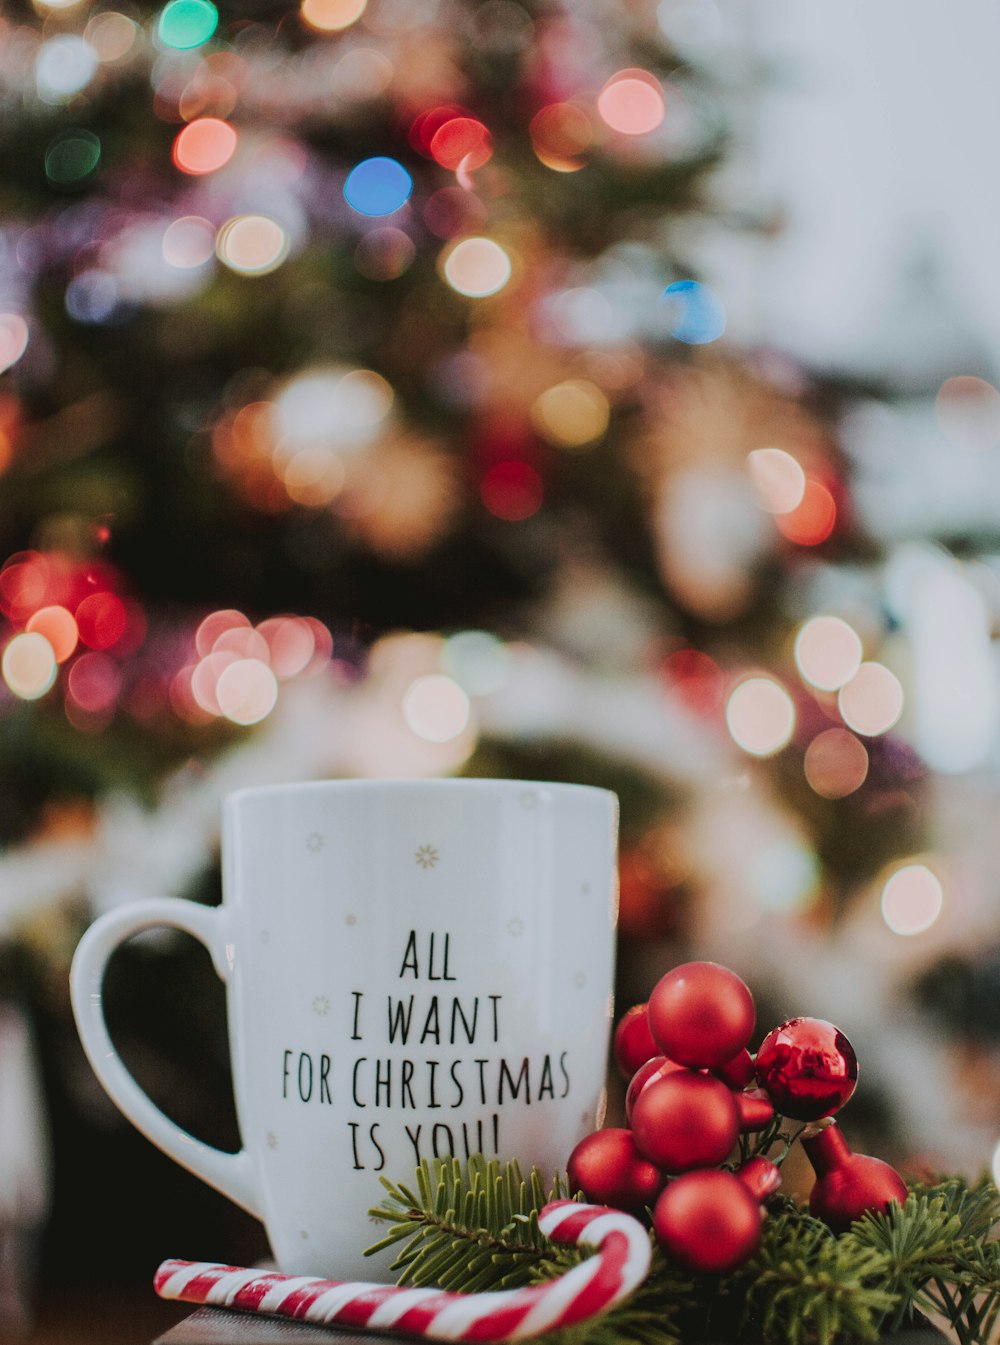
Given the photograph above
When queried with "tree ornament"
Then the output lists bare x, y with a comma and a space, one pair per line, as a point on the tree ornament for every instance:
755, 1109
701, 1014
656, 1068
633, 1043
609, 1169
760, 1176
808, 1068
685, 1120
739, 1071
708, 1221
848, 1185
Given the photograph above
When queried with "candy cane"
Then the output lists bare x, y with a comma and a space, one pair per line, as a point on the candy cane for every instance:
621, 1264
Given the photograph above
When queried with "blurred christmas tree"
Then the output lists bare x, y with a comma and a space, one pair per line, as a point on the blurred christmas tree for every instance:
362, 416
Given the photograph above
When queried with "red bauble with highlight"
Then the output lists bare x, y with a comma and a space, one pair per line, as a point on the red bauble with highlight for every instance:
708, 1221
685, 1120
657, 1068
848, 1185
808, 1068
609, 1169
702, 1014
633, 1043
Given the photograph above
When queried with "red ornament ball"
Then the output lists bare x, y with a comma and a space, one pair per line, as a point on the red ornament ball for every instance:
848, 1185
657, 1068
685, 1120
701, 1014
808, 1068
708, 1221
609, 1169
633, 1044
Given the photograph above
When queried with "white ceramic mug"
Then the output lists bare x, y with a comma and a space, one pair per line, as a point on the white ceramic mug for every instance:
414, 968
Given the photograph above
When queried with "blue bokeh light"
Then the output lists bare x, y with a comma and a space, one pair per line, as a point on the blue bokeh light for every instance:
697, 314
377, 186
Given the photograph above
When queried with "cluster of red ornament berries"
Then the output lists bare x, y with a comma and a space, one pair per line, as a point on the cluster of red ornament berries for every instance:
693, 1089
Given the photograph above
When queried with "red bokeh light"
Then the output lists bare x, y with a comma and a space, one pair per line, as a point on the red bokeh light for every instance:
204, 146
813, 519
59, 628
696, 679
426, 124
93, 683
214, 625
462, 142
512, 490
102, 620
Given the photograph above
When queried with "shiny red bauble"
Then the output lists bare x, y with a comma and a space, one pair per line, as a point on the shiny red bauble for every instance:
656, 1068
760, 1176
708, 1221
685, 1120
807, 1068
609, 1169
633, 1042
701, 1014
848, 1185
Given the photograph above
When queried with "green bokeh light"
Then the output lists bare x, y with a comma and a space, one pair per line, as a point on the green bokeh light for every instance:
187, 23
72, 158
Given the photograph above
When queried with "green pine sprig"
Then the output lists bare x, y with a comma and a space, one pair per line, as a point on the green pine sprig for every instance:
473, 1226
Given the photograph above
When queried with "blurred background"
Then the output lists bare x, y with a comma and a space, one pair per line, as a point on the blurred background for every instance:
601, 392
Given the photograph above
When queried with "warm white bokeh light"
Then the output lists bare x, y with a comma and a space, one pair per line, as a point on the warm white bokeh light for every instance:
912, 899
836, 763
247, 691
29, 665
872, 701
828, 652
476, 267
777, 479
760, 715
252, 245
436, 708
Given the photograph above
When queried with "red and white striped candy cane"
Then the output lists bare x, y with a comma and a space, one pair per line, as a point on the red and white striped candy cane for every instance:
621, 1264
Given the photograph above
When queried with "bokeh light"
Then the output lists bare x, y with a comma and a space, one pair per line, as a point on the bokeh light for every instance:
461, 143
968, 412
377, 186
333, 408
291, 644
476, 267
94, 683
777, 479
912, 899
59, 627
814, 517
828, 652
204, 145
512, 490
697, 314
65, 64
560, 134
696, 679
112, 35
631, 102
783, 875
252, 245
247, 691
573, 414
760, 716
29, 665
71, 159
385, 254
836, 763
314, 476
872, 701
189, 242
331, 16
436, 708
187, 23
13, 339
478, 661
101, 620
93, 297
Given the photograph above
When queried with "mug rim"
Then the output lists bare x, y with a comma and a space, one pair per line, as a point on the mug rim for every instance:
418, 784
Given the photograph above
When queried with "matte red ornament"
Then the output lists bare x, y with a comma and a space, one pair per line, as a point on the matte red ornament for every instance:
739, 1071
808, 1068
708, 1221
609, 1169
701, 1014
656, 1068
685, 1120
755, 1108
633, 1044
848, 1185
760, 1176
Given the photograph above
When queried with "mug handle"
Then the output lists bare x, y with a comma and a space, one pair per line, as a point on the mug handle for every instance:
231, 1173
